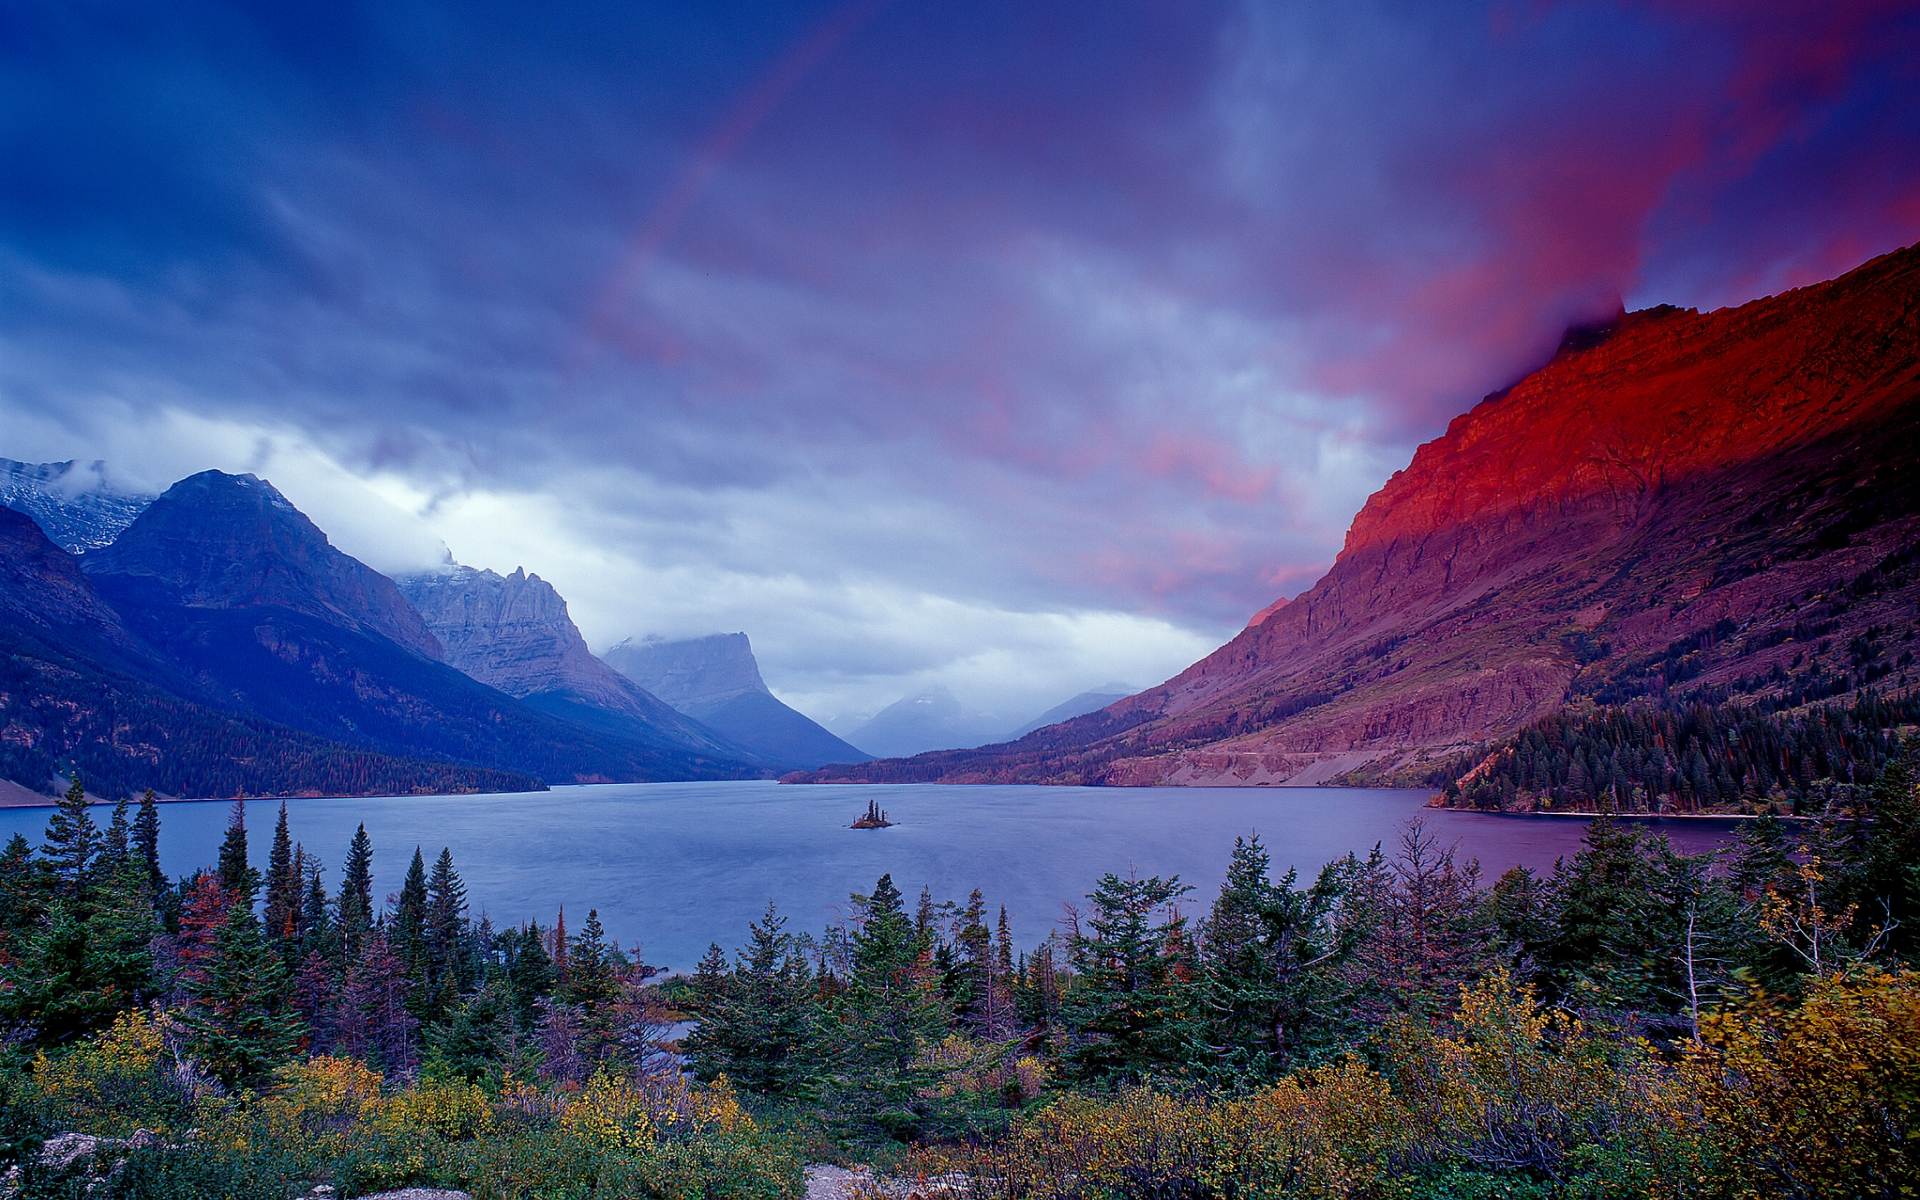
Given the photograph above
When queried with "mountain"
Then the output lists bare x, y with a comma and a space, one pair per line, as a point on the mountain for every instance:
932, 720
512, 632
716, 680
1722, 505
1080, 705
219, 541
78, 691
238, 590
74, 505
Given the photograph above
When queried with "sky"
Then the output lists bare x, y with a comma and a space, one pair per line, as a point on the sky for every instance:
1012, 347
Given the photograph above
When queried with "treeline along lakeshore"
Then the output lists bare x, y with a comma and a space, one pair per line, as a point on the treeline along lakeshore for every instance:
1637, 1022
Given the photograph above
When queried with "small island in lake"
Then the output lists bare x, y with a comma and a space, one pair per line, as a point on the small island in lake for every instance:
875, 818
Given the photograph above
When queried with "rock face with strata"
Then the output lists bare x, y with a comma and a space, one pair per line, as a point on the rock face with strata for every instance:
716, 680
513, 632
1729, 497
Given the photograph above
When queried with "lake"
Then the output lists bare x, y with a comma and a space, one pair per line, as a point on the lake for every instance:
674, 866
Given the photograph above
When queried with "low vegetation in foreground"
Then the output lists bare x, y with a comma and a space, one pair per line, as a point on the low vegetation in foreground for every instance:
1636, 1022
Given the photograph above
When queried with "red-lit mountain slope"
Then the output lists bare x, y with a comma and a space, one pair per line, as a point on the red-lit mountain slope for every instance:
1688, 501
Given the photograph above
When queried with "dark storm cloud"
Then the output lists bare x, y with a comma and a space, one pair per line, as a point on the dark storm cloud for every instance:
1067, 306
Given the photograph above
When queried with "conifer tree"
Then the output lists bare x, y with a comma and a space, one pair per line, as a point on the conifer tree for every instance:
318, 934
1132, 1006
284, 880
236, 875
72, 840
372, 1019
409, 938
24, 885
356, 894
758, 1022
146, 839
447, 926
113, 843
890, 1010
529, 973
239, 1024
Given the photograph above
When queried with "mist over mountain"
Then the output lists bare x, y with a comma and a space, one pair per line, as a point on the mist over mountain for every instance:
512, 632
74, 505
1079, 705
716, 680
241, 593
930, 720
80, 692
1679, 504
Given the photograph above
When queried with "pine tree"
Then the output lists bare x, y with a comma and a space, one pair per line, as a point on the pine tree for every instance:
446, 930
236, 875
284, 880
146, 840
72, 840
356, 894
1132, 1007
238, 1024
409, 939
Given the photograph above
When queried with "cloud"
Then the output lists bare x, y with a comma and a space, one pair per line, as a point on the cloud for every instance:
968, 325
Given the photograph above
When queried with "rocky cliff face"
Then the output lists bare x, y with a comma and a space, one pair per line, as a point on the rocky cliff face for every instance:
219, 541
692, 674
716, 680
1713, 500
513, 632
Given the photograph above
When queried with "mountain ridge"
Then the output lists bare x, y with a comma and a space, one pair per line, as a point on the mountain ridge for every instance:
1681, 474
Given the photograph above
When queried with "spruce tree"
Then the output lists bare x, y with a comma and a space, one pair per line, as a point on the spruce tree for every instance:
282, 914
113, 843
146, 839
889, 1012
356, 894
409, 939
1131, 1006
72, 840
239, 1024
758, 1022
236, 875
447, 925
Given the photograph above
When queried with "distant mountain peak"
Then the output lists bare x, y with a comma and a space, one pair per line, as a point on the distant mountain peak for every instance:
716, 679
76, 506
692, 673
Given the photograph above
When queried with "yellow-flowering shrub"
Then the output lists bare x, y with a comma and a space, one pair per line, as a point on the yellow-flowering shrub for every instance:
1818, 1100
113, 1083
610, 1111
448, 1109
327, 1087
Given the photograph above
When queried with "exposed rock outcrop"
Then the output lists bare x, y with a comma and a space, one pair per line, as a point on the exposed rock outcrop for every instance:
1709, 487
716, 680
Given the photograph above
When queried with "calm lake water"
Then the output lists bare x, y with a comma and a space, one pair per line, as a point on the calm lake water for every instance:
674, 866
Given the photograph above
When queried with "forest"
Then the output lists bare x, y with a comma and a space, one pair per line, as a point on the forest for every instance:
1635, 1022
1690, 756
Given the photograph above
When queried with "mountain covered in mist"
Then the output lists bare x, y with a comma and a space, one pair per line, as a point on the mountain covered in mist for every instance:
1711, 505
75, 506
513, 632
716, 680
930, 720
221, 643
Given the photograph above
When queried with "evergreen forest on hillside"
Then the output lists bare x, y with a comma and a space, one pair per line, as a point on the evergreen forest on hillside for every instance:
1636, 1022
